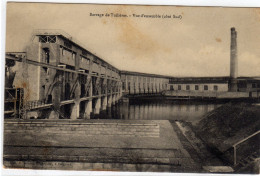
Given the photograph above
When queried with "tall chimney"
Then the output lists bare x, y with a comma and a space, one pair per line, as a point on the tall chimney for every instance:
233, 61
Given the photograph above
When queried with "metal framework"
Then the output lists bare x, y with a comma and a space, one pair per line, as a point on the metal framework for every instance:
92, 82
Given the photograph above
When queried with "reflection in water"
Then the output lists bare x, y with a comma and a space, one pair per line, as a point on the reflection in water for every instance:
190, 111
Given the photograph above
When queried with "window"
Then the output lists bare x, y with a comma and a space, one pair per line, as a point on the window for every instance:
85, 59
123, 86
129, 84
171, 88
253, 85
43, 39
179, 87
47, 39
52, 39
206, 87
215, 88
187, 87
196, 87
46, 56
84, 52
68, 44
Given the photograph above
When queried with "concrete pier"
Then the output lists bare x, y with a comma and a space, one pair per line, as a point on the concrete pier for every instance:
75, 111
104, 103
109, 101
88, 109
97, 107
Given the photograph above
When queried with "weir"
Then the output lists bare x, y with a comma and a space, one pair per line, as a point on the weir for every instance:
57, 75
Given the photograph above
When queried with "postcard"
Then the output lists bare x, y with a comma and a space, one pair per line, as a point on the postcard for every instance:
136, 88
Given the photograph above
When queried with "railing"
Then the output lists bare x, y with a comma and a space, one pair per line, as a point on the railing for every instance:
17, 54
239, 142
57, 32
35, 104
51, 32
10, 94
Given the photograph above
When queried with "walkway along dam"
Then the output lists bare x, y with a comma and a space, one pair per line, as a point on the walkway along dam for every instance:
57, 87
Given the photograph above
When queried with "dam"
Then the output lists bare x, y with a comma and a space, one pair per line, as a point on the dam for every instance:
67, 108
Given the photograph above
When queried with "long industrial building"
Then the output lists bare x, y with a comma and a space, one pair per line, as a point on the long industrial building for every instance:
58, 78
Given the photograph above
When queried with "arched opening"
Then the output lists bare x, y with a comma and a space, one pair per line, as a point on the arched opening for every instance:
49, 99
67, 91
82, 109
46, 57
82, 90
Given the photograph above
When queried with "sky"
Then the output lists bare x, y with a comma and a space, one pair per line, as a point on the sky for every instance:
198, 44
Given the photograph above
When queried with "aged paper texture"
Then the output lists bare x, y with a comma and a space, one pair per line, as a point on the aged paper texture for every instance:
135, 88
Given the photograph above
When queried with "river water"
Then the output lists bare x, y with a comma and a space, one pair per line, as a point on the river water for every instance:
159, 109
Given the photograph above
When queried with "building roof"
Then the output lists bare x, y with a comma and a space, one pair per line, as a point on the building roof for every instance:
143, 74
59, 32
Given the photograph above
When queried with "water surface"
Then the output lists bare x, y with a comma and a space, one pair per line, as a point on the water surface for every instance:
159, 109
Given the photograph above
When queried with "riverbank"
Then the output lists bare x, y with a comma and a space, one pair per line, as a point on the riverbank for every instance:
211, 94
225, 126
172, 136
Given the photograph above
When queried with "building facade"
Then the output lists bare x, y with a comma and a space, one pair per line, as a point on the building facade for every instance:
57, 71
143, 83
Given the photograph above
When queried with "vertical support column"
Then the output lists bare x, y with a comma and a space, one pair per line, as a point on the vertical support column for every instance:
104, 103
56, 102
120, 89
159, 85
113, 99
26, 92
76, 107
97, 106
109, 101
161, 89
150, 85
235, 155
132, 85
54, 115
126, 84
137, 85
117, 97
75, 110
156, 85
38, 84
141, 85
88, 109
145, 85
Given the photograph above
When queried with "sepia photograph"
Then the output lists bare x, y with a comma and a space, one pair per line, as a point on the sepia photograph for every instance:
131, 88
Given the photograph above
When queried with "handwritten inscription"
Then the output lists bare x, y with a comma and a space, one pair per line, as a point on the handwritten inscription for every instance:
119, 15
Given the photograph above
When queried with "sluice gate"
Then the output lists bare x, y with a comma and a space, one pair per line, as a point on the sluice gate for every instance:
56, 77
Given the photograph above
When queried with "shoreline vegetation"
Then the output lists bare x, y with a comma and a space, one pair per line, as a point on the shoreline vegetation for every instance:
221, 128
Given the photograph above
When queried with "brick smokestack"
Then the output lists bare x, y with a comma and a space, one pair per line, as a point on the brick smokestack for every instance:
233, 61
